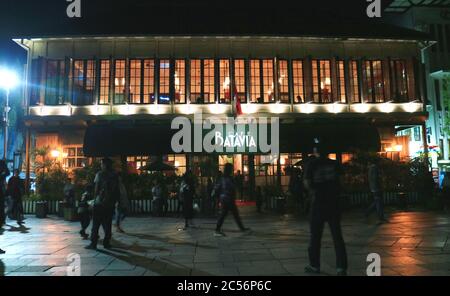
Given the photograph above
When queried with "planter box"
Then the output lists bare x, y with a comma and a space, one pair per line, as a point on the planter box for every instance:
41, 209
70, 214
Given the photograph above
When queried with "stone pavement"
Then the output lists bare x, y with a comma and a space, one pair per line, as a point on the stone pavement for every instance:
413, 243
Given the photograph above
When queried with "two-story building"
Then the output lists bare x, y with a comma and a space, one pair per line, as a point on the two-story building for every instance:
93, 96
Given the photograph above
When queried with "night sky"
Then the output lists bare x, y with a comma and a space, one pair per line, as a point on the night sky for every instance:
44, 18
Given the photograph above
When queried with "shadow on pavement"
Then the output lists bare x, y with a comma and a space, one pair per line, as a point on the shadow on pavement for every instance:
179, 242
150, 264
21, 228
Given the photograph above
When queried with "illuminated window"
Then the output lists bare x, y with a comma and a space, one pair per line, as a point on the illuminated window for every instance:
149, 81
196, 81
262, 81
179, 162
321, 75
340, 71
104, 81
83, 83
180, 81
399, 80
164, 82
298, 83
283, 81
239, 80
54, 87
208, 81
268, 81
74, 157
135, 81
354, 81
373, 82
255, 82
224, 79
202, 81
119, 82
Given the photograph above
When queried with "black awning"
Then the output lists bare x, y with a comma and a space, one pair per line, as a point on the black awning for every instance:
115, 139
337, 137
103, 140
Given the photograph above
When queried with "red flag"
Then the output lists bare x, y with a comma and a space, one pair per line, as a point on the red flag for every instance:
237, 102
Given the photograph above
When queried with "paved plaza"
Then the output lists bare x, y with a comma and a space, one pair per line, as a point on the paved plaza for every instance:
413, 243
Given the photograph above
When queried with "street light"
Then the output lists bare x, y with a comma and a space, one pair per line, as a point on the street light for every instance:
8, 80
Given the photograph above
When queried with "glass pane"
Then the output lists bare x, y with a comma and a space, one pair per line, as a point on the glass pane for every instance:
104, 81
149, 81
224, 78
135, 81
164, 79
208, 81
119, 82
180, 81
255, 82
239, 79
268, 81
283, 81
195, 84
297, 76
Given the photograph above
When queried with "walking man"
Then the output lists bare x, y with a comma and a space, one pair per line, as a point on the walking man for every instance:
375, 189
322, 180
226, 191
106, 195
15, 190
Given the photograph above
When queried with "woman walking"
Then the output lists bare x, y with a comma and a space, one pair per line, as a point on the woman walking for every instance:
187, 192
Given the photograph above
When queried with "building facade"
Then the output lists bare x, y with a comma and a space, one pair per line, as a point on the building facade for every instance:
355, 91
432, 17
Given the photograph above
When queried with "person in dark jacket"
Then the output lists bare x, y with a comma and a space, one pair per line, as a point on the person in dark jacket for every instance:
187, 192
226, 191
322, 180
259, 199
4, 172
15, 190
373, 175
106, 195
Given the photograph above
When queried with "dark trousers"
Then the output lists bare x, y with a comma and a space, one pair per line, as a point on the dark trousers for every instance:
85, 219
377, 205
102, 217
226, 207
17, 209
120, 216
319, 215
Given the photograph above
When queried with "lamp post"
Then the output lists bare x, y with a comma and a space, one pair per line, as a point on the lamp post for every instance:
8, 80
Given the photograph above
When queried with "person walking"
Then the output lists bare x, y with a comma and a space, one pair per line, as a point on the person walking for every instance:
226, 191
187, 192
4, 172
296, 187
69, 193
322, 180
446, 190
106, 193
209, 192
122, 206
84, 210
373, 175
157, 193
15, 190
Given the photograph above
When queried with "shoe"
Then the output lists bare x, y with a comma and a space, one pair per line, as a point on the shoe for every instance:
219, 233
341, 272
119, 229
245, 229
2, 251
91, 247
107, 246
312, 270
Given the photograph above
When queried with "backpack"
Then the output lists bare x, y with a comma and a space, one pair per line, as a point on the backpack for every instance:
108, 192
